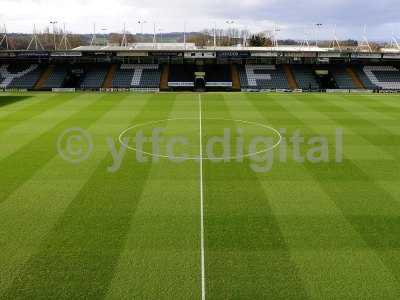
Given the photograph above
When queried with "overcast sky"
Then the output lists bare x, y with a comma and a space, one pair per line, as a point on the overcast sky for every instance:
295, 18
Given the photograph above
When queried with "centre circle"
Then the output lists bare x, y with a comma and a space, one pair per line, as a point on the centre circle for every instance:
162, 138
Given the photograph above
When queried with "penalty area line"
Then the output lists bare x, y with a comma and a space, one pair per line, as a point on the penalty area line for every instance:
203, 275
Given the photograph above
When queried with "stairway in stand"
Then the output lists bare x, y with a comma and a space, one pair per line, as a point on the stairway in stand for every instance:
107, 84
290, 77
164, 78
356, 80
45, 76
235, 78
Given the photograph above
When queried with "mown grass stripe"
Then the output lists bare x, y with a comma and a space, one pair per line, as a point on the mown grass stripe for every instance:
78, 257
247, 256
315, 227
346, 123
380, 105
161, 257
363, 174
379, 120
322, 124
25, 133
10, 104
41, 150
361, 200
363, 109
387, 101
43, 198
27, 112
391, 169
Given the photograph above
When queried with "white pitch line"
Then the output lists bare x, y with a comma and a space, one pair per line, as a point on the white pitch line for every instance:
203, 273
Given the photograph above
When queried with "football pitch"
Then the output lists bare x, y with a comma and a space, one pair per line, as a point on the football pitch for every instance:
312, 211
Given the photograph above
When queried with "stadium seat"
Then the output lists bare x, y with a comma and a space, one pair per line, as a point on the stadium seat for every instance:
19, 76
305, 77
382, 77
181, 76
262, 77
56, 78
94, 77
142, 76
218, 76
342, 77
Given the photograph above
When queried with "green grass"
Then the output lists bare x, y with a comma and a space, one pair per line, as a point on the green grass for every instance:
307, 230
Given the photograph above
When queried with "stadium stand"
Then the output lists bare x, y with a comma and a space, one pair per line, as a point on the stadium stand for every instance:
94, 77
223, 75
123, 77
218, 76
19, 76
305, 77
56, 77
380, 77
262, 77
137, 76
359, 70
342, 77
181, 76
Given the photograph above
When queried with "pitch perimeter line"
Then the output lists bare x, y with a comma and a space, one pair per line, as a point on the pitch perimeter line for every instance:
203, 275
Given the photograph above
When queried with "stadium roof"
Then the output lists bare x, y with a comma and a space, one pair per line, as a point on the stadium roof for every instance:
193, 47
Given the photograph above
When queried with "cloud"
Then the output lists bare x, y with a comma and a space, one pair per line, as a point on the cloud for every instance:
295, 17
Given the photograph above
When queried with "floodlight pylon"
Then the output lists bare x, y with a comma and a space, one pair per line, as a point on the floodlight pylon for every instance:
335, 42
35, 41
364, 42
64, 43
4, 39
124, 42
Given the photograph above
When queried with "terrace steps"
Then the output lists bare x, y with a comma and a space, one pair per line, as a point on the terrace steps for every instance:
354, 77
164, 78
44, 77
235, 78
290, 77
107, 84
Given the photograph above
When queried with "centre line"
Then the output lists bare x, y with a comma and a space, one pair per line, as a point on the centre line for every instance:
203, 275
